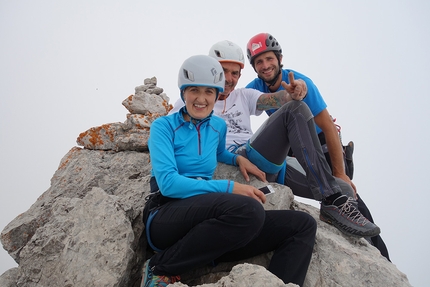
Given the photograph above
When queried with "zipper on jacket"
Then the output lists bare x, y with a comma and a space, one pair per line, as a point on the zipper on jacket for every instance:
199, 138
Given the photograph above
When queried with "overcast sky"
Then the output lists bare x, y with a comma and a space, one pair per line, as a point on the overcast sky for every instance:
66, 66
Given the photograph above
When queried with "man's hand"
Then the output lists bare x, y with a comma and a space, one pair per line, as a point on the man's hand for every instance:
245, 167
249, 190
296, 88
348, 180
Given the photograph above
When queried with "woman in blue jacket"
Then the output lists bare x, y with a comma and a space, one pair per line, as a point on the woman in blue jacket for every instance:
192, 220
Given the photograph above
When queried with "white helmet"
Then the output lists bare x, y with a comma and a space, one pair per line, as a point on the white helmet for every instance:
228, 52
203, 71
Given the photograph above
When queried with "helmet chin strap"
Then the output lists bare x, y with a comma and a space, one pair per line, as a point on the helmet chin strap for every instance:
194, 120
272, 82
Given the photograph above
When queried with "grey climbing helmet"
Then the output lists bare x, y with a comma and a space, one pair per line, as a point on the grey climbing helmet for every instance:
201, 71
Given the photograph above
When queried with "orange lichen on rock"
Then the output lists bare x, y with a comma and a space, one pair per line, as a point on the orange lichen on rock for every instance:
65, 161
110, 131
140, 118
94, 136
167, 106
129, 98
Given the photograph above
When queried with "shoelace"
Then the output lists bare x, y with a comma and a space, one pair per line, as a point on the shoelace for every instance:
351, 212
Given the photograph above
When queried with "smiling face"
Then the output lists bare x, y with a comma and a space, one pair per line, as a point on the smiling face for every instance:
199, 101
232, 75
267, 66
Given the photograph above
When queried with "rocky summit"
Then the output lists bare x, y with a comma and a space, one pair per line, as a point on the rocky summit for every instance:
87, 229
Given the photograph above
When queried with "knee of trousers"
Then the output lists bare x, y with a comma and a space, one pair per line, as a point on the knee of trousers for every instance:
297, 107
308, 224
249, 212
345, 187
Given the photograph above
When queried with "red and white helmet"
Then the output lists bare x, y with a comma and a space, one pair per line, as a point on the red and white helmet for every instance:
227, 52
262, 43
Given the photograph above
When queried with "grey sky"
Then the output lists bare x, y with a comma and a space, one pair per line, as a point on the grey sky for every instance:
66, 66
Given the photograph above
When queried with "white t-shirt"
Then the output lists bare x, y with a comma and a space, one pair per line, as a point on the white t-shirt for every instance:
236, 111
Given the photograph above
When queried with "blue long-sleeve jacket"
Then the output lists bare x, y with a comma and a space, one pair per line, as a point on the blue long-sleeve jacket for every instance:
181, 153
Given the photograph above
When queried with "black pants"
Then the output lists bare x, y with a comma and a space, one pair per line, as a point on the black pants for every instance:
196, 231
376, 240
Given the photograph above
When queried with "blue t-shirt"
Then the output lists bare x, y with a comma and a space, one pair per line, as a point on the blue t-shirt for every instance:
313, 98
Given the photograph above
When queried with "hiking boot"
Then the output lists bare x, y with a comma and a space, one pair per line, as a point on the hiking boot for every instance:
345, 216
149, 279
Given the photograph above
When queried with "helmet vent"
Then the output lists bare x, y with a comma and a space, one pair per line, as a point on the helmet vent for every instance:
218, 54
188, 75
219, 77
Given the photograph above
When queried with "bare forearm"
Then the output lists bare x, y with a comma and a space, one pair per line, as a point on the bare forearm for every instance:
273, 100
335, 150
325, 122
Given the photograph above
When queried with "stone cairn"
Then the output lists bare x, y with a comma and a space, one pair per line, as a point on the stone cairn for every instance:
147, 104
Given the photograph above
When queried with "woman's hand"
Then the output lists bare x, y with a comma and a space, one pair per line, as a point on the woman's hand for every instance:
249, 190
245, 167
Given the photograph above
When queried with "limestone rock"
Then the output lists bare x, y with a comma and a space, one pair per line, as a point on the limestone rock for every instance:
246, 275
87, 229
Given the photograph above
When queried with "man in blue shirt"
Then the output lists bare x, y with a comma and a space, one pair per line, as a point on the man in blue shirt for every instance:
265, 55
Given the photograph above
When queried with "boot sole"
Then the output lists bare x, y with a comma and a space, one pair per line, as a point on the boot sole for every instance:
353, 232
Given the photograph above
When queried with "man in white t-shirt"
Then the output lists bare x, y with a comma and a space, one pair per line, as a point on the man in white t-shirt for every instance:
292, 126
